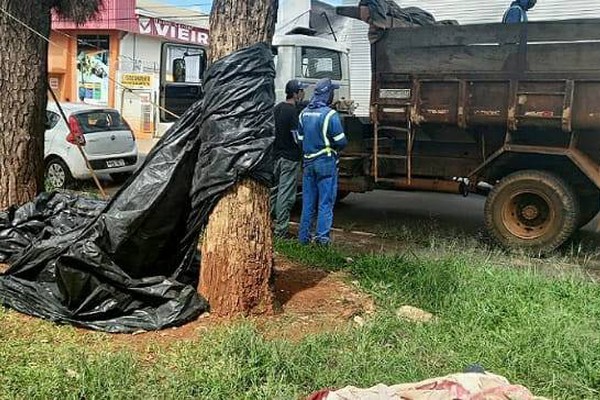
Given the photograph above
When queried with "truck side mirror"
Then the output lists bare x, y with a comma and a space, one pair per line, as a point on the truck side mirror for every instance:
178, 70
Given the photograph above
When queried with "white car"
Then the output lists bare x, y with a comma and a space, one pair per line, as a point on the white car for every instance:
105, 137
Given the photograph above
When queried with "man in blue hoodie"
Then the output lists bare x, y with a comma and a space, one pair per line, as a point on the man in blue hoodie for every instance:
517, 12
321, 136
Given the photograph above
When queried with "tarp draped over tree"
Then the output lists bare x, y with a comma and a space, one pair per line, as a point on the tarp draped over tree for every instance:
133, 263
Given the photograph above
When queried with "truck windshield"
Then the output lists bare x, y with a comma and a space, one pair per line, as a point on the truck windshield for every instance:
320, 63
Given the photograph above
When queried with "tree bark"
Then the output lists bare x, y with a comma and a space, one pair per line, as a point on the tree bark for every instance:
23, 98
237, 251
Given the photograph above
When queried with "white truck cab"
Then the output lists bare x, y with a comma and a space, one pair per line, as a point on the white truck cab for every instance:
308, 59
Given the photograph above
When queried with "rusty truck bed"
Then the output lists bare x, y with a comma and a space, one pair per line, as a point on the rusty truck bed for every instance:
472, 101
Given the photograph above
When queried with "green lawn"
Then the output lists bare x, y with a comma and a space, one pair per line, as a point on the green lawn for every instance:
538, 331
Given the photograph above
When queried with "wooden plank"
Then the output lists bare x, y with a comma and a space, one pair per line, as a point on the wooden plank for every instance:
462, 35
399, 60
563, 57
580, 57
438, 76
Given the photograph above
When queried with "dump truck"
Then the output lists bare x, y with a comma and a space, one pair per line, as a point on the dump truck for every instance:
514, 108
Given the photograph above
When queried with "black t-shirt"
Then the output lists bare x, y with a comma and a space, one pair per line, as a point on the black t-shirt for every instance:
286, 121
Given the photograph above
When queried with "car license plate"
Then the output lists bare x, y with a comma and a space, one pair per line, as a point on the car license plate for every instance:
115, 163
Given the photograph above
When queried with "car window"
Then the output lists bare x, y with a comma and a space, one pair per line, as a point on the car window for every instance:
321, 63
52, 119
101, 121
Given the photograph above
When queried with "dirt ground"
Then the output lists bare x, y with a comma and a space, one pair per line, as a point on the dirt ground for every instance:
308, 300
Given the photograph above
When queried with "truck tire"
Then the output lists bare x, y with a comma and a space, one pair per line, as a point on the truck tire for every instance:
532, 210
589, 206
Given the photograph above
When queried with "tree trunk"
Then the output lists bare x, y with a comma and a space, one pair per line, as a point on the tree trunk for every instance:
23, 87
237, 251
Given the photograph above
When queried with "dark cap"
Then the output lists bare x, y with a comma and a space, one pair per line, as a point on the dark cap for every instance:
294, 86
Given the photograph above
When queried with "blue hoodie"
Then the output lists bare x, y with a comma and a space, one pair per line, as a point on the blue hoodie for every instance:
517, 12
320, 130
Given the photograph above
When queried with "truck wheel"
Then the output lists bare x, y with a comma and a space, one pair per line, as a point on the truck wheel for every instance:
589, 206
532, 210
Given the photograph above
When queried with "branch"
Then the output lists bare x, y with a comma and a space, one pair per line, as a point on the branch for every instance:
79, 11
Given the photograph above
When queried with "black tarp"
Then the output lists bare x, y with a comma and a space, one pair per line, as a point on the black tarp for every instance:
388, 14
133, 263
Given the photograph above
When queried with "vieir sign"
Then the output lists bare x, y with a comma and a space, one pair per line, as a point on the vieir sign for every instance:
173, 31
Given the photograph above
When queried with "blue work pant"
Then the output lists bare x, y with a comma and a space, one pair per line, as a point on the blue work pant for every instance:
319, 190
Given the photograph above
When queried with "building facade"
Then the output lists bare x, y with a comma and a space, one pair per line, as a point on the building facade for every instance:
124, 59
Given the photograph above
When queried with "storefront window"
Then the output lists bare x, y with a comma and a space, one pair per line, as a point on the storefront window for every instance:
93, 68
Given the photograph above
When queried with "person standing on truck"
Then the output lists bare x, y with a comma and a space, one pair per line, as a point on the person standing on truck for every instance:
287, 157
517, 12
322, 136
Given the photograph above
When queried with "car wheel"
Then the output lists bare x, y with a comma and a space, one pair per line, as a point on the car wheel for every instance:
58, 175
120, 177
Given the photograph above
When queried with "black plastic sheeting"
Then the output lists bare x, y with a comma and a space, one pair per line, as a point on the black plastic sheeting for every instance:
132, 263
387, 14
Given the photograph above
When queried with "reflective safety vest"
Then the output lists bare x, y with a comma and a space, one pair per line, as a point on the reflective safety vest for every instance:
320, 133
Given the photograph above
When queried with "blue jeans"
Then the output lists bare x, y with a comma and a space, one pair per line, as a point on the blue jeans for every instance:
319, 190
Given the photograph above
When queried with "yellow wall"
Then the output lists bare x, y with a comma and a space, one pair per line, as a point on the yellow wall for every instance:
60, 52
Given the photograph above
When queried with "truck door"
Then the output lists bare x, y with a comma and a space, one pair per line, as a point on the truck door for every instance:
182, 69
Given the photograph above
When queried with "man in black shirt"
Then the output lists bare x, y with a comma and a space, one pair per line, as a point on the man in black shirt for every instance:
287, 157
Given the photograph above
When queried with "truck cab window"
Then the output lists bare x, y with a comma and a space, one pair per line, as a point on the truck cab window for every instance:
182, 69
321, 63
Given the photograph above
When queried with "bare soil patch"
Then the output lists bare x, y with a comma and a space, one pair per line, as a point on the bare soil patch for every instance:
309, 300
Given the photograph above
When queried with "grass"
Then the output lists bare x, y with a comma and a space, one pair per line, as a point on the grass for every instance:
538, 331
424, 237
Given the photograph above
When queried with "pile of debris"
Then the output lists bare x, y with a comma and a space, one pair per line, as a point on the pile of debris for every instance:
466, 386
387, 14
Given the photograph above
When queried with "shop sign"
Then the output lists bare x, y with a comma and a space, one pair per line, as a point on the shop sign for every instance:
54, 83
137, 81
173, 31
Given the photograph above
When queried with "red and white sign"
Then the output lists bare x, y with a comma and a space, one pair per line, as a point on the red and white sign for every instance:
173, 31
